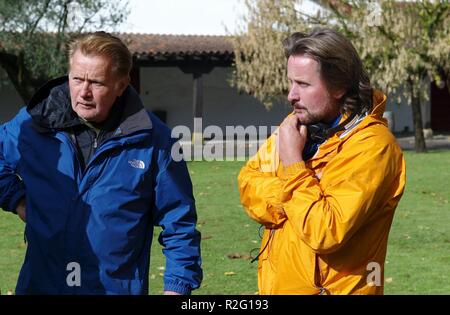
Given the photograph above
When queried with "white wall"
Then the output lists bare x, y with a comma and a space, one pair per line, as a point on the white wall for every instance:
170, 89
402, 112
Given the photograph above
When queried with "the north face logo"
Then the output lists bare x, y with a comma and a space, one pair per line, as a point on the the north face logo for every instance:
137, 164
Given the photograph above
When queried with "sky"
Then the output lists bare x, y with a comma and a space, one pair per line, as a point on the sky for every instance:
199, 17
189, 17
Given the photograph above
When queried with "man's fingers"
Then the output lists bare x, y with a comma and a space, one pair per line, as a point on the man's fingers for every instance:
303, 131
290, 121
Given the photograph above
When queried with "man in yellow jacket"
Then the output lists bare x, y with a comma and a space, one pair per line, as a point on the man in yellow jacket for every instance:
326, 193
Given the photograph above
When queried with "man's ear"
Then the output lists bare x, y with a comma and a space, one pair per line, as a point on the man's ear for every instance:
122, 84
337, 94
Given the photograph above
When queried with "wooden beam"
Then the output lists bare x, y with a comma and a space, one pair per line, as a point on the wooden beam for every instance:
197, 135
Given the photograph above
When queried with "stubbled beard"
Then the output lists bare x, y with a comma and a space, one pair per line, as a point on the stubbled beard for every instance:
309, 119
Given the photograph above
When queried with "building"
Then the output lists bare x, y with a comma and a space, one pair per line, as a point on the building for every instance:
183, 77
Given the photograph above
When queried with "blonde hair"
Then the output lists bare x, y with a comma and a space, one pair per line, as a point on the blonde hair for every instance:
104, 44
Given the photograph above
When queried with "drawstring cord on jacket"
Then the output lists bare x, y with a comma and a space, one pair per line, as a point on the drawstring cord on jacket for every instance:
272, 232
322, 290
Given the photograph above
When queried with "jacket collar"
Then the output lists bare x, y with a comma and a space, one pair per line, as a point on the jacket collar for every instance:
50, 109
357, 123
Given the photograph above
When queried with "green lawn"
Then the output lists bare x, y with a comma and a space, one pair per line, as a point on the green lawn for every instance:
418, 260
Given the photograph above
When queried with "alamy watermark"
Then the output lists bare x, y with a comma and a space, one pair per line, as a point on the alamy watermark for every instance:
73, 278
213, 143
374, 276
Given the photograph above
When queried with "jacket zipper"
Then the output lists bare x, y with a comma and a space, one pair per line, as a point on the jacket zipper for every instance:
95, 144
105, 146
318, 277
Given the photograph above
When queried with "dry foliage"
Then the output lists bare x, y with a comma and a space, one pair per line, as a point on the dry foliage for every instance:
400, 42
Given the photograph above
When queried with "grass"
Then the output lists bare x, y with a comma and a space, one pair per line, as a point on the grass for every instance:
226, 230
12, 250
418, 259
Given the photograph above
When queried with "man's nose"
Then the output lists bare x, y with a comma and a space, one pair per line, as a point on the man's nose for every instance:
293, 96
86, 91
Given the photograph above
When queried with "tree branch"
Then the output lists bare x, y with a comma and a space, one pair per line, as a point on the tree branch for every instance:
40, 16
62, 25
437, 17
341, 18
310, 18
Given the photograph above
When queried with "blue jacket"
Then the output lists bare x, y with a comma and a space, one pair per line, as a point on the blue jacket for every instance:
97, 221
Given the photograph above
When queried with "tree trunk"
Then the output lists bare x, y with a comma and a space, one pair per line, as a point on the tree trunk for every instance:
420, 145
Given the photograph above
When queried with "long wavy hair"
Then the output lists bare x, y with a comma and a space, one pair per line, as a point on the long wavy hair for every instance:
340, 66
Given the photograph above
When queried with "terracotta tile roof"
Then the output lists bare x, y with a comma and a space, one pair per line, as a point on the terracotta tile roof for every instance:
156, 44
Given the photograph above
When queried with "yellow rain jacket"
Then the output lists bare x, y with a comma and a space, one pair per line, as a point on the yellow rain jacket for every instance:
327, 220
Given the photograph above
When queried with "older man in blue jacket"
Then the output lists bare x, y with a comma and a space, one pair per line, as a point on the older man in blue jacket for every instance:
91, 172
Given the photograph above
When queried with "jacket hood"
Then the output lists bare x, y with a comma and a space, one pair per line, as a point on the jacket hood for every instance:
50, 108
379, 104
